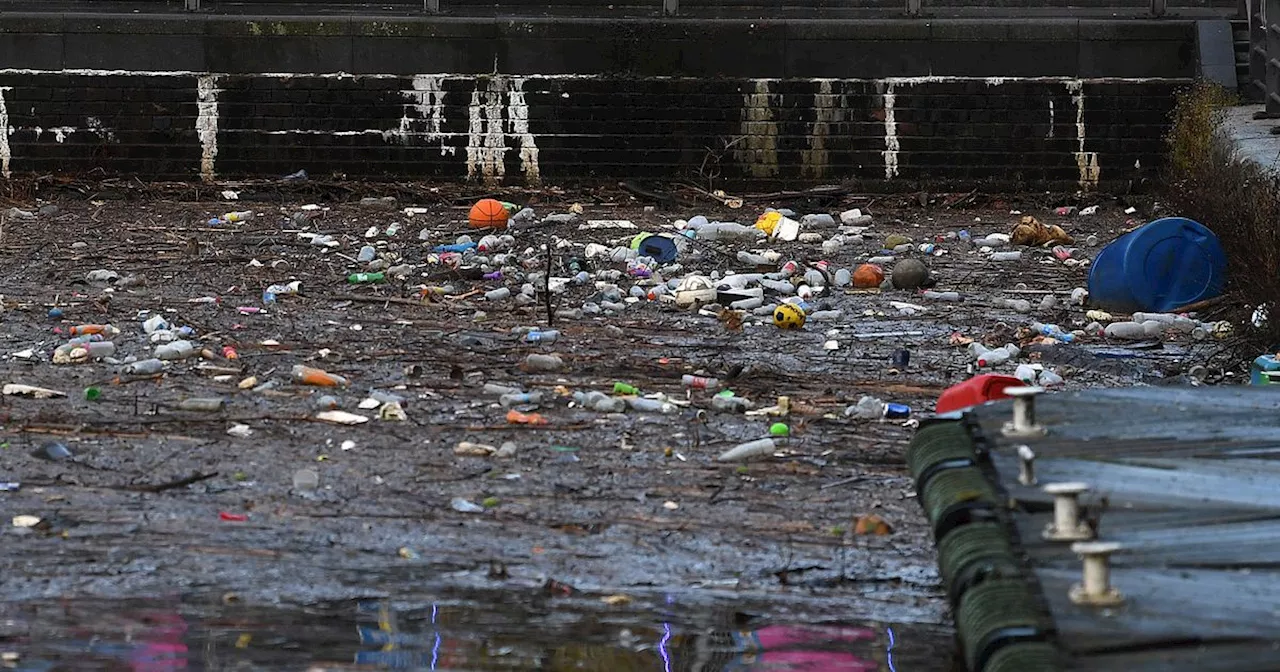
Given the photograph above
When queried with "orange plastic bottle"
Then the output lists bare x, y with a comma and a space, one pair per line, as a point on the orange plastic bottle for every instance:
517, 418
311, 376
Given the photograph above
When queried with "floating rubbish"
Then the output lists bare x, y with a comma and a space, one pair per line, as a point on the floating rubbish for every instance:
52, 451
749, 450
1133, 272
464, 506
18, 390
342, 418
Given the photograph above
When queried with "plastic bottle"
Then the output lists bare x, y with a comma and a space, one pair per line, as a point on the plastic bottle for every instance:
1026, 373
1050, 379
520, 399
535, 363
751, 259
204, 405
312, 376
818, 220
175, 350
548, 336
1052, 331
843, 277
699, 382
1125, 330
498, 294
730, 404
941, 296
995, 357
494, 388
106, 330
366, 278
145, 367
625, 388
650, 405
155, 323
748, 450
1016, 305
1006, 256
728, 231
869, 408
367, 253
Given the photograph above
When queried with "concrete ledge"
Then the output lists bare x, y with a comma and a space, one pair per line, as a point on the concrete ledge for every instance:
1252, 137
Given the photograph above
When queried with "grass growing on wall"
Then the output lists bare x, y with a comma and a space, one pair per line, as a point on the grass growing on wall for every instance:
1239, 201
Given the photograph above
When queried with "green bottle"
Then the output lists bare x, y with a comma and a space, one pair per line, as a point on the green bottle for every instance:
363, 278
624, 388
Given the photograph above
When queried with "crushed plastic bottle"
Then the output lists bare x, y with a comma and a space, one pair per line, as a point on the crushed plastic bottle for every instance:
539, 363
873, 408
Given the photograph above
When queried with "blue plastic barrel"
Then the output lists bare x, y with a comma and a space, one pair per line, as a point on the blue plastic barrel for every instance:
1168, 263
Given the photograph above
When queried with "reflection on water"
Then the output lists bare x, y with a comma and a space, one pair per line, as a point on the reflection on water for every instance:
453, 634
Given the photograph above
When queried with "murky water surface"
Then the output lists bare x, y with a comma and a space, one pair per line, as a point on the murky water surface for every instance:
504, 632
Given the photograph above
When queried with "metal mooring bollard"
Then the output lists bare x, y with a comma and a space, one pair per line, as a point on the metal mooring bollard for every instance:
1095, 588
1026, 465
1024, 412
1066, 525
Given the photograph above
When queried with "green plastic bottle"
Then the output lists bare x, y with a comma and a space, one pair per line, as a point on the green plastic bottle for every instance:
365, 278
624, 388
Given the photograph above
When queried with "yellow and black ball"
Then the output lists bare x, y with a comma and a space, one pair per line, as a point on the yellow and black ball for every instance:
788, 316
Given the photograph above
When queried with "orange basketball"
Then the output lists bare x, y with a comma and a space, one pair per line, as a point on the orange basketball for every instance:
488, 214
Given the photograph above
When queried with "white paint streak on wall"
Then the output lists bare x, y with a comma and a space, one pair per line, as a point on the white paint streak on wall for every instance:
1052, 119
1087, 162
95, 126
207, 123
891, 145
486, 140
499, 112
5, 155
828, 109
758, 148
518, 118
427, 100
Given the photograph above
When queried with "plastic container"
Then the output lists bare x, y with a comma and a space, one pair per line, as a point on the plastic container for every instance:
1261, 367
975, 391
659, 247
1162, 266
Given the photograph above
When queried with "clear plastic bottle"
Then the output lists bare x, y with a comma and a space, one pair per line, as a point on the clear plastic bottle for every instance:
145, 367
730, 404
1125, 330
546, 336
699, 382
539, 363
175, 350
748, 450
520, 399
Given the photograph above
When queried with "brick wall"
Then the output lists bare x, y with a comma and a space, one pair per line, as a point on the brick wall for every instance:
519, 130
1037, 102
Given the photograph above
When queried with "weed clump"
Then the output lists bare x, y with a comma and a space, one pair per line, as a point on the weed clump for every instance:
1239, 201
